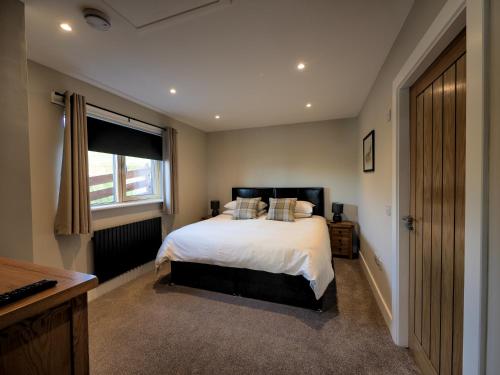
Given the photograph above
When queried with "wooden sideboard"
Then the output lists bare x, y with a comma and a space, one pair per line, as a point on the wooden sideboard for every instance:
46, 333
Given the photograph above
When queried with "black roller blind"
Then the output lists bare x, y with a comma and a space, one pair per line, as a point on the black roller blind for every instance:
107, 137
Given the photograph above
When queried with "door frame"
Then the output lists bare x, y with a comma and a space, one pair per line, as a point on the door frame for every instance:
453, 17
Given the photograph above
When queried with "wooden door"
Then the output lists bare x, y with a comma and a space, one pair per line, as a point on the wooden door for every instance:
437, 134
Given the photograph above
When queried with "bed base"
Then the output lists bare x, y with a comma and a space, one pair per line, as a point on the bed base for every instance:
279, 288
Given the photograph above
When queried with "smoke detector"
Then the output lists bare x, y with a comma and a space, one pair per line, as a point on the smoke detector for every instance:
97, 19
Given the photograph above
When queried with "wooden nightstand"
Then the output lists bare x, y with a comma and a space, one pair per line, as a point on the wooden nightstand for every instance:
341, 238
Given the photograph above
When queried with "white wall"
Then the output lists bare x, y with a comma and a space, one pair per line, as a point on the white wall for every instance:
46, 131
318, 154
375, 190
493, 321
15, 198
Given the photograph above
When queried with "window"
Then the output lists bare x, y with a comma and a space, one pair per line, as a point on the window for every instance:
141, 178
102, 181
125, 159
118, 179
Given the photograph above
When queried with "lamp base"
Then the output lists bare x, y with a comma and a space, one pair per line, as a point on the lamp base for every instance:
337, 218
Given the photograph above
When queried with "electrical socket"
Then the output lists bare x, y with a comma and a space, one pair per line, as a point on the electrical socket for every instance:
378, 262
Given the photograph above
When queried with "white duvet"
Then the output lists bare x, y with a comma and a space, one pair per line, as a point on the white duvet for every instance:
294, 248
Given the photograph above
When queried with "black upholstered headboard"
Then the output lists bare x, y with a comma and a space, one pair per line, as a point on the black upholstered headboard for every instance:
313, 195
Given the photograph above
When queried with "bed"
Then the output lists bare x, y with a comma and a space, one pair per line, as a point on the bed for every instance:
283, 262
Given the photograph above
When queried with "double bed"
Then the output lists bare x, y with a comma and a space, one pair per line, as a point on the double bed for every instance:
284, 262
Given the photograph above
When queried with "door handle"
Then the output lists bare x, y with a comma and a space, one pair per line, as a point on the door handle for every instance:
408, 222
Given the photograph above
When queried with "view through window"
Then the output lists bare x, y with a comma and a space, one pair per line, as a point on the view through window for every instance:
116, 178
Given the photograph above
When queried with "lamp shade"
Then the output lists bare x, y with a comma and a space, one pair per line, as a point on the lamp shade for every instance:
337, 208
214, 205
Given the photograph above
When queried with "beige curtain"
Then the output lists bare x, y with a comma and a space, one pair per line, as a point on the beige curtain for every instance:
169, 171
73, 211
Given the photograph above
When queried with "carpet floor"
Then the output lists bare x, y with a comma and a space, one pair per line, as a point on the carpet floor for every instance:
149, 327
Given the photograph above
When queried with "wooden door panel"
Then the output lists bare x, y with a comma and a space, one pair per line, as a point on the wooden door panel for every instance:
437, 172
413, 163
458, 298
419, 184
448, 225
427, 222
437, 198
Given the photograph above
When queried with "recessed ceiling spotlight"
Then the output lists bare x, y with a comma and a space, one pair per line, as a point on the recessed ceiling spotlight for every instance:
173, 91
301, 66
217, 117
308, 105
65, 27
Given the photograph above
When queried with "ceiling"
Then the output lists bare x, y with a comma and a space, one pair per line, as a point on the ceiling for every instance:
237, 59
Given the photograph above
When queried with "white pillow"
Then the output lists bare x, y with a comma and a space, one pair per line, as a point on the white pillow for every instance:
232, 205
301, 215
304, 207
231, 212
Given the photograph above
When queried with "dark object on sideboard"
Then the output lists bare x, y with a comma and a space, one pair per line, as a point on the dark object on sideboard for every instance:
120, 249
214, 205
25, 291
342, 238
337, 209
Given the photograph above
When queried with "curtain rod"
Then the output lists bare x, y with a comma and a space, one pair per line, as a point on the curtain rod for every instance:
116, 113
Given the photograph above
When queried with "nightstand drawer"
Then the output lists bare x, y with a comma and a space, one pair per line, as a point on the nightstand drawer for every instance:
341, 249
342, 232
341, 241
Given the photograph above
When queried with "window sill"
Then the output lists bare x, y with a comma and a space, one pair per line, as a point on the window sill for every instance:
126, 204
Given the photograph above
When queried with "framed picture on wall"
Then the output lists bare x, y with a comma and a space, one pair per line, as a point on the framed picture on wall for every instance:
369, 152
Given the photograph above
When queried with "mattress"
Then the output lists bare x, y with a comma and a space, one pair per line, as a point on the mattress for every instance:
301, 247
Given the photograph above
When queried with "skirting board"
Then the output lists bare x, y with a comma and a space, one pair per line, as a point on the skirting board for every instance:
118, 281
384, 308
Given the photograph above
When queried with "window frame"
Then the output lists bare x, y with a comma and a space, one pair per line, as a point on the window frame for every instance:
120, 183
114, 171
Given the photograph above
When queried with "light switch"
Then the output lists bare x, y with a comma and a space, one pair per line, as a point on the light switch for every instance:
388, 210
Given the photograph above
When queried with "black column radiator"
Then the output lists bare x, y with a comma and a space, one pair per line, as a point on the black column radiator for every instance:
120, 249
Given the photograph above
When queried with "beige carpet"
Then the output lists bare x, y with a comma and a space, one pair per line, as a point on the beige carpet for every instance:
149, 327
